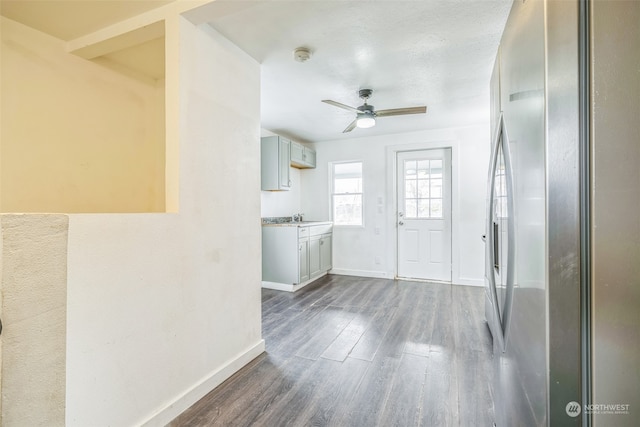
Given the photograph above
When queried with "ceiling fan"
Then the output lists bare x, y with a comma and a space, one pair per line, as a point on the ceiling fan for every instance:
366, 114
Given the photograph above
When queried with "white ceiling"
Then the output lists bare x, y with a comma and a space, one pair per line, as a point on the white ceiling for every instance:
437, 53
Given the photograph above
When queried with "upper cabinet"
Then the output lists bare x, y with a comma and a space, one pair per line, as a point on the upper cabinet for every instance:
302, 157
275, 160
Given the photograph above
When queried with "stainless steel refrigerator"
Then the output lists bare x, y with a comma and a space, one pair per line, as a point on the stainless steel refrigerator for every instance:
563, 215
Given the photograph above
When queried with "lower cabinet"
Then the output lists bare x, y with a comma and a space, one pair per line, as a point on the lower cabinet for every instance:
314, 256
303, 260
325, 252
293, 255
319, 254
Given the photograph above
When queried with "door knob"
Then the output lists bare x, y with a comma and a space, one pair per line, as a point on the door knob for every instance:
401, 223
400, 214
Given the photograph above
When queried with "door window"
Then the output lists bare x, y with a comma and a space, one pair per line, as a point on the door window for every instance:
423, 191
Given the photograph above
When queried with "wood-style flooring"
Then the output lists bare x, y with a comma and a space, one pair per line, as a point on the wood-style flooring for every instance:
349, 352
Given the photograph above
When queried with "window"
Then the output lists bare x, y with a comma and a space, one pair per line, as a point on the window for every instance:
346, 193
423, 188
500, 191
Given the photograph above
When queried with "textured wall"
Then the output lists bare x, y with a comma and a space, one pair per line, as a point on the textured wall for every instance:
34, 312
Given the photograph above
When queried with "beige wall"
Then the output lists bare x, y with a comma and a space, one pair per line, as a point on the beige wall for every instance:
164, 307
1, 121
160, 308
76, 137
34, 314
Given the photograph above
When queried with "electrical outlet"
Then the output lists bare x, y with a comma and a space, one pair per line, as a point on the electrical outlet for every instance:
376, 230
377, 260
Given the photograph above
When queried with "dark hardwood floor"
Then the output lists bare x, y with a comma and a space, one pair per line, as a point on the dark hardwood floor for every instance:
349, 351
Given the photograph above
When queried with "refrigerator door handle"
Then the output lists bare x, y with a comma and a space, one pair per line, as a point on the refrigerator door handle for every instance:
501, 139
511, 235
490, 237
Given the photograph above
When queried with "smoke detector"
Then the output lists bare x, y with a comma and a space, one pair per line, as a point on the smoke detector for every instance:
302, 54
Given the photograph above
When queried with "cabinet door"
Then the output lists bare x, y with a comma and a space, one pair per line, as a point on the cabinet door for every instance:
325, 253
284, 163
303, 260
302, 157
275, 163
314, 256
310, 157
297, 153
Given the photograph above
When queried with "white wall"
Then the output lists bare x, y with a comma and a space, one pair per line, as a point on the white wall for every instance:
164, 307
283, 203
355, 249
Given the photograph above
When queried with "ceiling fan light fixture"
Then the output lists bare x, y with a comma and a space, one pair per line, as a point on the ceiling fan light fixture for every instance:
366, 113
365, 121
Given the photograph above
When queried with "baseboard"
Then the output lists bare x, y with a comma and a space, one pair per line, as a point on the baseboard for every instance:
385, 275
290, 288
469, 282
195, 393
277, 286
361, 273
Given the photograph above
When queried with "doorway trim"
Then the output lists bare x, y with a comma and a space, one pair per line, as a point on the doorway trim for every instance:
391, 196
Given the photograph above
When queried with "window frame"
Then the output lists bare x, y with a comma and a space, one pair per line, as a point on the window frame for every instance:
332, 193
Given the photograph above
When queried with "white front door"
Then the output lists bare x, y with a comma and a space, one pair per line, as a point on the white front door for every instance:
424, 214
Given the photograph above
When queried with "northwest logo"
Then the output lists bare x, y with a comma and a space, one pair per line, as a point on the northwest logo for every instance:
573, 409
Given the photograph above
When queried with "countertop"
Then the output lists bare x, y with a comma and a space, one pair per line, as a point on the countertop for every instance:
297, 224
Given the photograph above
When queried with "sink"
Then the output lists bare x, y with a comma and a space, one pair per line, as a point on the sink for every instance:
288, 221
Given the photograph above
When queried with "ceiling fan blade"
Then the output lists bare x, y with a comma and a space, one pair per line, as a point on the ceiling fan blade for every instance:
350, 127
401, 111
339, 105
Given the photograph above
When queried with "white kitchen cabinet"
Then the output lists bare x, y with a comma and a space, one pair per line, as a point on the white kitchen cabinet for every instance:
325, 252
297, 153
275, 156
314, 256
309, 156
320, 249
303, 260
319, 254
293, 255
302, 157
